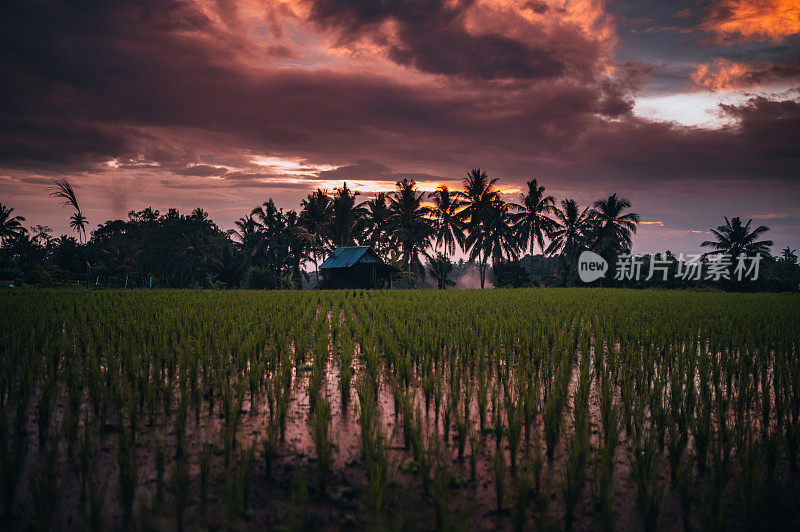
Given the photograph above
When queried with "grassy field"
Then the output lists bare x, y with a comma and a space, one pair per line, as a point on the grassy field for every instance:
583, 408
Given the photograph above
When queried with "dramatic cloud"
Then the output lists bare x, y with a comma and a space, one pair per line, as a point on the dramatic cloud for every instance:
725, 74
755, 19
222, 104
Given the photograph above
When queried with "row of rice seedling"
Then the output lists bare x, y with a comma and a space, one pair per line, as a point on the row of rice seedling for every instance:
187, 403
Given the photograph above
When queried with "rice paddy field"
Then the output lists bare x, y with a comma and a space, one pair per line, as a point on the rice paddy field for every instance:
497, 409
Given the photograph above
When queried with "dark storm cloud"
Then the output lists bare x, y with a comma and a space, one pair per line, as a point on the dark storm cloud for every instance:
158, 85
433, 37
373, 170
201, 170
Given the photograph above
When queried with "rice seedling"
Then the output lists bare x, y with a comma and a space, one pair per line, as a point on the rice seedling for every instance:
46, 490
524, 495
269, 449
578, 445
297, 518
180, 489
205, 461
500, 473
160, 464
320, 432
648, 487
704, 383
128, 471
97, 499
604, 461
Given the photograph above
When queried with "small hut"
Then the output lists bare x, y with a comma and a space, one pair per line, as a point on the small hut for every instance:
355, 267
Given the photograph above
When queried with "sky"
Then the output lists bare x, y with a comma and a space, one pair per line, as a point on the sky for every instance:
689, 109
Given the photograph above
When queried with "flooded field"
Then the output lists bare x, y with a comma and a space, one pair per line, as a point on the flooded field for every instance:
509, 409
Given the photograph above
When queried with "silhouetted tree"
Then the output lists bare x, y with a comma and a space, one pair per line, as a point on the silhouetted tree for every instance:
10, 225
494, 237
569, 236
315, 218
439, 268
346, 224
734, 238
411, 227
62, 189
375, 213
533, 222
449, 227
479, 195
612, 228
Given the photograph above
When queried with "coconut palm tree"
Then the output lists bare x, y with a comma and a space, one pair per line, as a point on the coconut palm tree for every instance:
10, 225
273, 246
315, 218
449, 228
494, 237
249, 241
612, 227
439, 268
347, 221
411, 228
77, 222
62, 189
199, 215
298, 251
376, 222
533, 222
734, 238
572, 226
789, 255
479, 196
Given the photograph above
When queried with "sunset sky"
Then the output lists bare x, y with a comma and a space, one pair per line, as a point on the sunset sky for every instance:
689, 109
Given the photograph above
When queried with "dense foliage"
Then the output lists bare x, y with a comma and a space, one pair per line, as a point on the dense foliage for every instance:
417, 233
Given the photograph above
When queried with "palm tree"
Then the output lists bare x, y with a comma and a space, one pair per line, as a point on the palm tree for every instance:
77, 222
249, 241
479, 195
734, 239
439, 268
572, 226
532, 222
376, 222
613, 229
494, 237
347, 223
449, 228
198, 214
299, 250
789, 255
10, 226
273, 245
411, 228
62, 189
315, 218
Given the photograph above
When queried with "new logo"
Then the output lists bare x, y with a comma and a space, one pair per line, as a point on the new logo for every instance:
591, 266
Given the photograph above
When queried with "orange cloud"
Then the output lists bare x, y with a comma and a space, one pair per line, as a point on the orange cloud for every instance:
725, 74
721, 74
755, 19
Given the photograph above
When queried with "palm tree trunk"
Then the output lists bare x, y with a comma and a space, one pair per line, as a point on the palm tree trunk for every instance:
482, 269
443, 271
316, 267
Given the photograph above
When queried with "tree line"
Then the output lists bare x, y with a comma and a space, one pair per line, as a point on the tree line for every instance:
418, 233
